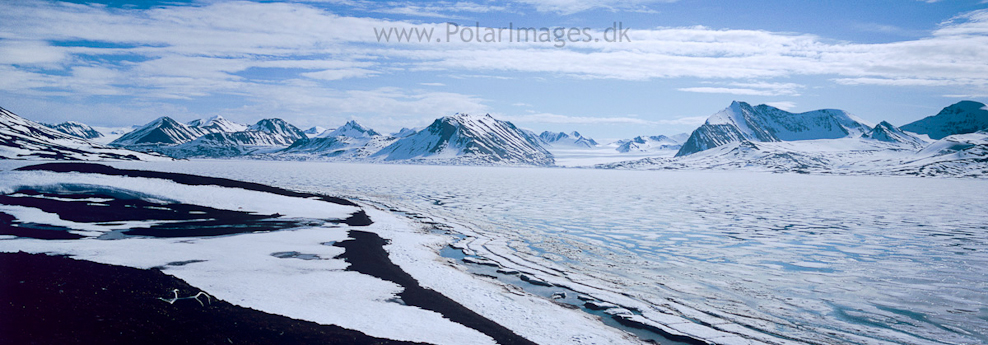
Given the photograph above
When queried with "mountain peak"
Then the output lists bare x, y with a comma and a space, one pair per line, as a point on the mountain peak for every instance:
162, 131
21, 138
959, 118
77, 129
740, 121
968, 105
470, 138
351, 129
278, 126
649, 143
217, 123
886, 132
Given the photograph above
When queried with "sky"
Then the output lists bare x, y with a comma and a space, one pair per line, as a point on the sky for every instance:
610, 69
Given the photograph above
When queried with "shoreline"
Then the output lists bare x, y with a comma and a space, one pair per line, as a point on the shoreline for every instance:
366, 254
60, 300
364, 251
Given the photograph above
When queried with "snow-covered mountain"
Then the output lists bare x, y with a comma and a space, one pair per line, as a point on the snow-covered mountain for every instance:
351, 129
314, 131
404, 132
740, 121
217, 124
21, 138
162, 131
286, 131
960, 118
830, 156
760, 138
469, 139
960, 155
348, 142
76, 129
648, 144
886, 132
964, 155
338, 147
224, 144
573, 139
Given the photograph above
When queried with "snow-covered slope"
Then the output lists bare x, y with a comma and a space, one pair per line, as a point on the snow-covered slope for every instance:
963, 155
170, 137
24, 139
336, 148
286, 131
223, 144
348, 142
404, 132
740, 121
76, 129
886, 132
648, 144
561, 139
314, 131
958, 155
351, 129
960, 118
161, 131
217, 124
469, 139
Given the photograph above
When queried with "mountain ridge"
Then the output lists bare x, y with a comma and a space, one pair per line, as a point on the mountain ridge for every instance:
21, 138
959, 118
763, 123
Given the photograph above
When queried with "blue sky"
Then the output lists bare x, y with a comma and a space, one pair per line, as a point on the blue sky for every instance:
118, 63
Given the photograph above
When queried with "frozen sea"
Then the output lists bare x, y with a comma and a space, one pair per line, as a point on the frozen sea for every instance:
775, 257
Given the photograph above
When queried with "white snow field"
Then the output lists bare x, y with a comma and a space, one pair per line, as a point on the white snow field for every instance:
245, 270
728, 257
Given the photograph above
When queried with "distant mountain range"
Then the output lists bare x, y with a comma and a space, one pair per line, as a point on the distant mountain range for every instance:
457, 139
470, 139
561, 139
76, 129
25, 139
741, 136
648, 144
832, 141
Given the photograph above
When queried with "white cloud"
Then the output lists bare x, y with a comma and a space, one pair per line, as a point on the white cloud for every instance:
784, 105
337, 74
574, 6
619, 120
205, 49
30, 52
727, 90
432, 84
911, 81
439, 9
303, 100
750, 89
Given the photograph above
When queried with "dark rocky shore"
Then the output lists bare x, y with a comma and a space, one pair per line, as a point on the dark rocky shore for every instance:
59, 300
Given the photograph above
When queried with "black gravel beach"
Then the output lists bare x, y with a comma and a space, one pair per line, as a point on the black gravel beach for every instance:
50, 299
59, 300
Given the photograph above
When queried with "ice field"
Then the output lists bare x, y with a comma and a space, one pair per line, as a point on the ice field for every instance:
733, 257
